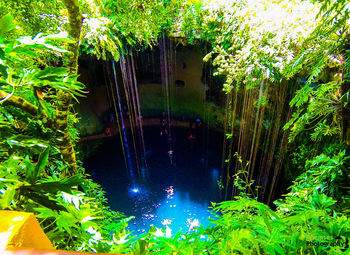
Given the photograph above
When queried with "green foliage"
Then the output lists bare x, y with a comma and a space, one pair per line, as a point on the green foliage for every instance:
71, 219
188, 22
241, 180
250, 45
25, 75
34, 170
6, 24
113, 26
254, 41
316, 110
327, 175
19, 73
32, 173
34, 16
323, 51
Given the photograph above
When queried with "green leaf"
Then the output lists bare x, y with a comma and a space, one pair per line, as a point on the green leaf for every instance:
7, 198
140, 247
41, 198
30, 168
6, 24
38, 42
66, 221
51, 73
27, 141
301, 97
64, 185
33, 172
3, 71
44, 212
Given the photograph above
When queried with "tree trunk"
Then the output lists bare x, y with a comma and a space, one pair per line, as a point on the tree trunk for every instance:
64, 141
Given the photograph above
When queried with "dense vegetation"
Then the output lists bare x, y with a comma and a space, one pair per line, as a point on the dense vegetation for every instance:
288, 92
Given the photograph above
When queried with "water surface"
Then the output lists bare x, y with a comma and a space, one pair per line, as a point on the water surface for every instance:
177, 192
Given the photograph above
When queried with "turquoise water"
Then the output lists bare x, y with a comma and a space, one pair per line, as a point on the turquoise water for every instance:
178, 195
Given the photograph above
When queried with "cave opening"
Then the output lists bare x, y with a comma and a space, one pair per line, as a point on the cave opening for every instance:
166, 134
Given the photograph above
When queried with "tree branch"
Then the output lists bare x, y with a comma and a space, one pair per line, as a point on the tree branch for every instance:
26, 106
19, 103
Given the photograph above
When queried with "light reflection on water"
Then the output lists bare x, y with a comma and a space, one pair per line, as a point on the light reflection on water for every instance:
176, 207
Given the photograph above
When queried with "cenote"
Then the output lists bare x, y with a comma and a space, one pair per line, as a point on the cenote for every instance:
175, 127
180, 190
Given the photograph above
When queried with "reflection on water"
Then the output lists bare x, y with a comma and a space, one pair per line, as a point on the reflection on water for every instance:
177, 196
171, 207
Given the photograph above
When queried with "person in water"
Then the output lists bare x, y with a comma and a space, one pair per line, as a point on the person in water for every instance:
170, 191
163, 125
108, 131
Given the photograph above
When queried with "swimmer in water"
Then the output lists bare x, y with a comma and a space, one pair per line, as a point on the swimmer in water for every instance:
170, 191
171, 152
163, 125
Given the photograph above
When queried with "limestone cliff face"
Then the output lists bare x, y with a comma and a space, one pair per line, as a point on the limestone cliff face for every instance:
188, 93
